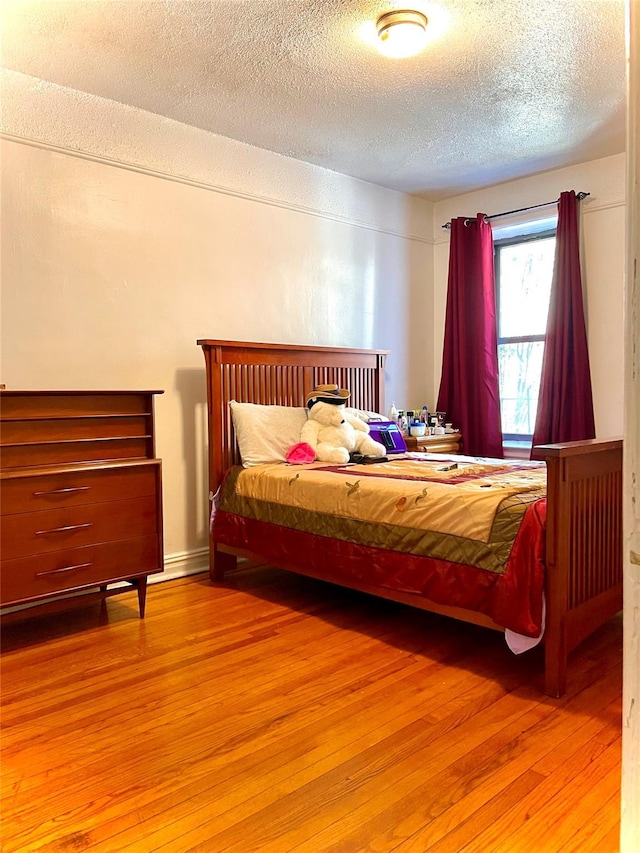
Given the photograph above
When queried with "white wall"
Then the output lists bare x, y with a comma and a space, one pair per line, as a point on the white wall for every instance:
125, 237
602, 218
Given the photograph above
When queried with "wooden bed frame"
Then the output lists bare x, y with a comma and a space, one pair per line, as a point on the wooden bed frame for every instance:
584, 487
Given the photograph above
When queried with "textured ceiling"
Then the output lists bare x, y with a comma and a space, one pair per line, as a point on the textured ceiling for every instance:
505, 88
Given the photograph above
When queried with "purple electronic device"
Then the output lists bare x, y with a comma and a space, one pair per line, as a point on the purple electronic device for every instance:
389, 435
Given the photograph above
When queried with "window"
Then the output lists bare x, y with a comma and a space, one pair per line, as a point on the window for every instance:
524, 268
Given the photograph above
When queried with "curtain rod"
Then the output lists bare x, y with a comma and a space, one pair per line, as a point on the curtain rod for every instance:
579, 196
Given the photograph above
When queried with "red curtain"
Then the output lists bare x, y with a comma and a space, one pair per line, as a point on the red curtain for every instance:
469, 387
565, 403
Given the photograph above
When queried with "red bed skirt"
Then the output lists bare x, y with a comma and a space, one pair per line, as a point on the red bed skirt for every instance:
513, 599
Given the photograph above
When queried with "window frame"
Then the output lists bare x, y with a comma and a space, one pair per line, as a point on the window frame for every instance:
498, 243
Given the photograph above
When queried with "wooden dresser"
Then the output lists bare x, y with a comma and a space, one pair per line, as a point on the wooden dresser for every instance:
448, 443
81, 494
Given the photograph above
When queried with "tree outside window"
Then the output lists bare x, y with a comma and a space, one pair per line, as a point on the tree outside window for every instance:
523, 268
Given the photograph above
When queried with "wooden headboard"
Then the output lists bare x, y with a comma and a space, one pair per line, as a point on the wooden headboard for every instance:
279, 374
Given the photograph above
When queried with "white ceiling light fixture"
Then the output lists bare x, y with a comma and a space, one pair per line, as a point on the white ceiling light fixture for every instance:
402, 32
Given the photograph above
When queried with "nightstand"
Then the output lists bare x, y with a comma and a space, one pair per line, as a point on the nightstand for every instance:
448, 443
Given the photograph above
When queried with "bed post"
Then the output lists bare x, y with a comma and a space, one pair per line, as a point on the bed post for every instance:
220, 562
584, 547
555, 645
380, 382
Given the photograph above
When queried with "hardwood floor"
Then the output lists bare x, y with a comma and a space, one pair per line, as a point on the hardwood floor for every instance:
279, 714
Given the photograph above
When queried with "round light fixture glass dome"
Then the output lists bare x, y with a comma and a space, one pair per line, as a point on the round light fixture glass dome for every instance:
402, 33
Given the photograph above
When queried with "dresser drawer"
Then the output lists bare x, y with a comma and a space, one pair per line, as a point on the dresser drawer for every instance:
447, 443
59, 452
73, 429
60, 571
30, 405
74, 488
24, 534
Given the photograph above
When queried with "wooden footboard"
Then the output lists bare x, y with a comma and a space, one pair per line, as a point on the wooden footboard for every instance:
584, 547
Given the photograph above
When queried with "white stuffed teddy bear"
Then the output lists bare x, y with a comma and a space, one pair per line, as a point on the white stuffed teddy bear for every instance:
331, 431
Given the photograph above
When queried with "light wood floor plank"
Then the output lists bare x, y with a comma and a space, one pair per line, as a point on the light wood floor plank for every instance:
279, 714
466, 796
565, 824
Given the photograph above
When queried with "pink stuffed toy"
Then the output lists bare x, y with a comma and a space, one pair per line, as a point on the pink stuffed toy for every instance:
300, 454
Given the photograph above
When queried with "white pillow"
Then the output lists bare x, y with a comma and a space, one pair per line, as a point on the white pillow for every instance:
266, 433
365, 415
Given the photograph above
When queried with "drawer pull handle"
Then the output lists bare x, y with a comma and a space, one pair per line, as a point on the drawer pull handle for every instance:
64, 569
62, 491
64, 529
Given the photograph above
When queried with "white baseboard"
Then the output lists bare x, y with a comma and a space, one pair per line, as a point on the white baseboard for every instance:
181, 564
